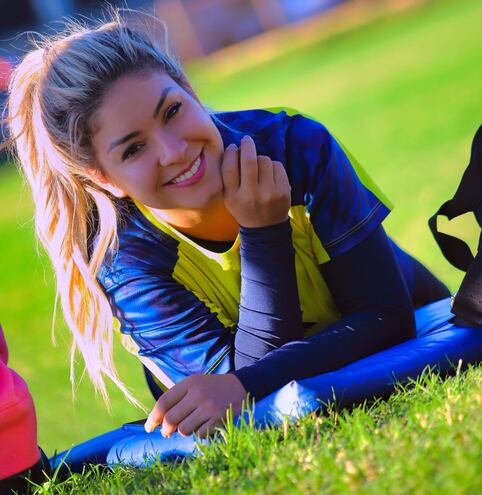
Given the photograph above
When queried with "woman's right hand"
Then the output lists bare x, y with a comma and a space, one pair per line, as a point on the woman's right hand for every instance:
257, 192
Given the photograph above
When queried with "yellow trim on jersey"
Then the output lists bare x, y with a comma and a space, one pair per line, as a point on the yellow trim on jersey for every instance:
214, 278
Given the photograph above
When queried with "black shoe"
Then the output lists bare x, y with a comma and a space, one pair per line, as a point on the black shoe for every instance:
19, 484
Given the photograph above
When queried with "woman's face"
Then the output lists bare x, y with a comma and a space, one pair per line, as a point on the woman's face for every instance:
155, 143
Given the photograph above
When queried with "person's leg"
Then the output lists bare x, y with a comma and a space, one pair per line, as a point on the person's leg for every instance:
92, 451
23, 483
20, 457
423, 285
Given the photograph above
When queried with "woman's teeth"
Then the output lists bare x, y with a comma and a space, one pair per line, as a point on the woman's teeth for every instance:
189, 173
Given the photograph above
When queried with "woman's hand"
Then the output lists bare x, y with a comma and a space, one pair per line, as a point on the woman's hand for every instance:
257, 192
197, 403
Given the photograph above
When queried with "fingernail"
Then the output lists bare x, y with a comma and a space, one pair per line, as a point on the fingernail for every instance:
232, 147
246, 137
164, 434
149, 426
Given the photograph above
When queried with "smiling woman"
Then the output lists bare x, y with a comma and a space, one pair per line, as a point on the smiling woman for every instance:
153, 149
233, 251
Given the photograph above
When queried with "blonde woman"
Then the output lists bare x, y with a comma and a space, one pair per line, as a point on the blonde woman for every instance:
234, 251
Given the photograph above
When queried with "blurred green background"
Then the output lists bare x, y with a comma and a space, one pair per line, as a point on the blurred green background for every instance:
403, 93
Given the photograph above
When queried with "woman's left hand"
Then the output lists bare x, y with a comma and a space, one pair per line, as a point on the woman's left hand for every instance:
197, 403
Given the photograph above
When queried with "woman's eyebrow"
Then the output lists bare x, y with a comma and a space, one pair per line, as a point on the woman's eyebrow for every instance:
129, 136
122, 140
163, 97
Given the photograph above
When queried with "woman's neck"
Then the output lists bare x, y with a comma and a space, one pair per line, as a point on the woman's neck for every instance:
211, 224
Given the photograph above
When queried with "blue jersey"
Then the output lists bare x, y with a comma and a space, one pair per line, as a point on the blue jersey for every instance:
177, 302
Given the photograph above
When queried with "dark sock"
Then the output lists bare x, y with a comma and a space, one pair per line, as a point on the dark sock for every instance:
18, 483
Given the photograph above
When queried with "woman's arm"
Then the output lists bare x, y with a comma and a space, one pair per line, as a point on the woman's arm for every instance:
269, 309
376, 313
257, 194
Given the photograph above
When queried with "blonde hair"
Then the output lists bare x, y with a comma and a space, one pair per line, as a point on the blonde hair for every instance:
53, 93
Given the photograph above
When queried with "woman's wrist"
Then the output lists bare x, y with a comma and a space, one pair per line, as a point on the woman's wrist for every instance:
247, 378
272, 235
273, 227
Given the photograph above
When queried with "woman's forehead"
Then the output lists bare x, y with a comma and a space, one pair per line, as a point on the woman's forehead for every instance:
131, 98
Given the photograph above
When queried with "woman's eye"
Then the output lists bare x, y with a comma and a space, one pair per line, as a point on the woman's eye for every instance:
131, 150
172, 110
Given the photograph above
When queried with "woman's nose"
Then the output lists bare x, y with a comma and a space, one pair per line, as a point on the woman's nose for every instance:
172, 150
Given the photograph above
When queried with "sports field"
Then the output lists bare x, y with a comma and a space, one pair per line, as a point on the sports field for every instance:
403, 93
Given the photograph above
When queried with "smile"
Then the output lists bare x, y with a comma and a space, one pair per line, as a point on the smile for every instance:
190, 176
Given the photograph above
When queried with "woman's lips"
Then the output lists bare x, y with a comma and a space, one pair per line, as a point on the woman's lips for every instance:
195, 178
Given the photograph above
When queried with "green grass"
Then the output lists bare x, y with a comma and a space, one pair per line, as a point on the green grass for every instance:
403, 94
426, 438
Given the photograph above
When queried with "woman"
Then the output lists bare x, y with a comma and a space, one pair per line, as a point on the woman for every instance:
212, 241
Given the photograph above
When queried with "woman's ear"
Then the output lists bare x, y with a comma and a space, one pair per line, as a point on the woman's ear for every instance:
98, 178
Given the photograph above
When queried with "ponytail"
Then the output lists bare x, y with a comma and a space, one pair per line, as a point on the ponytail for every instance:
66, 206
54, 92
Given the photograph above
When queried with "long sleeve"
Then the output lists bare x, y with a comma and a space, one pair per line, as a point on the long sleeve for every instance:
376, 310
269, 309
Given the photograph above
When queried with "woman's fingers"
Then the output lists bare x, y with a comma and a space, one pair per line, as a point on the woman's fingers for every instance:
280, 176
265, 172
164, 404
177, 414
192, 422
230, 168
248, 161
256, 192
201, 425
196, 400
208, 428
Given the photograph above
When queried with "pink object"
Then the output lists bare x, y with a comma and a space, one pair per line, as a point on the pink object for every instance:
5, 72
18, 423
